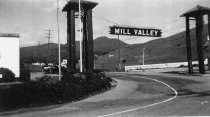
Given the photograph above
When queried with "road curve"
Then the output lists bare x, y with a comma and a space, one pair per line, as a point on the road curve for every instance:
137, 95
153, 104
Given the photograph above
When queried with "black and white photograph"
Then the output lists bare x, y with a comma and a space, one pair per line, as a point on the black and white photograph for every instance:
104, 58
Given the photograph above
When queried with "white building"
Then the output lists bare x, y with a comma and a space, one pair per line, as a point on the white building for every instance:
10, 52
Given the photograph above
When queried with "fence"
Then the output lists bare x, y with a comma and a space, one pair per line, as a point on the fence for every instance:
160, 66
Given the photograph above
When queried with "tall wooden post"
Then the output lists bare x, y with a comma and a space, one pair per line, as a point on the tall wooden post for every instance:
71, 64
85, 44
189, 56
90, 51
209, 37
198, 12
199, 27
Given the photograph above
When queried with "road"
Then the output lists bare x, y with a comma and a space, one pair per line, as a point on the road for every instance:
139, 95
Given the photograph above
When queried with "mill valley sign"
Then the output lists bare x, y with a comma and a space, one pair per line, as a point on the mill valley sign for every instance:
117, 30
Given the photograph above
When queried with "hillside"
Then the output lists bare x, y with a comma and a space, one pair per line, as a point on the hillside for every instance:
163, 50
34, 53
102, 46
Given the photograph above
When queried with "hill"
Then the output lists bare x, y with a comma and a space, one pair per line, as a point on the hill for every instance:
102, 46
33, 53
163, 50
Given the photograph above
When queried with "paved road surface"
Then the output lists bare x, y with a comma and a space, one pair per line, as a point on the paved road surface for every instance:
140, 94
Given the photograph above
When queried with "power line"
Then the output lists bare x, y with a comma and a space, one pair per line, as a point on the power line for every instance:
164, 30
178, 20
102, 18
118, 24
49, 37
105, 18
174, 28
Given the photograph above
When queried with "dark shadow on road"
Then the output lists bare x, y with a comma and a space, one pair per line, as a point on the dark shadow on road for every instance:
177, 83
186, 73
187, 92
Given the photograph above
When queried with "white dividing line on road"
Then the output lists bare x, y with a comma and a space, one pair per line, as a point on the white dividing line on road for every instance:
125, 111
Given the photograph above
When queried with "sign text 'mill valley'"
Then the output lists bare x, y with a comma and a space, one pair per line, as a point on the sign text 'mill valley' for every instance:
135, 31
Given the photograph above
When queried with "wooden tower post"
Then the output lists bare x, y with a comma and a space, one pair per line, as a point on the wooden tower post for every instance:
88, 52
199, 27
189, 55
71, 64
89, 49
209, 37
196, 13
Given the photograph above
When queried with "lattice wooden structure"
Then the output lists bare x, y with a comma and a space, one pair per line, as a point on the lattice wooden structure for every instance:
72, 7
197, 13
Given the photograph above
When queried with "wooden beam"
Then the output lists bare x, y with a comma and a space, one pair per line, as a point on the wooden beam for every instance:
209, 37
90, 49
199, 28
71, 64
85, 44
189, 55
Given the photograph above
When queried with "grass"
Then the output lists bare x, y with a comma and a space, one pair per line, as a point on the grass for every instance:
164, 50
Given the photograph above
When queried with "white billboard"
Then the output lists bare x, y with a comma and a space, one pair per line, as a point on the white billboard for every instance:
10, 52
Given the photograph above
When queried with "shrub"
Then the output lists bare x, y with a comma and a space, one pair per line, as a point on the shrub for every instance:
109, 79
89, 75
45, 78
25, 74
72, 77
7, 75
195, 65
43, 92
181, 65
63, 70
98, 71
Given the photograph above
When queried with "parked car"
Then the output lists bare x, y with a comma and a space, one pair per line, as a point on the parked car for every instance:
54, 69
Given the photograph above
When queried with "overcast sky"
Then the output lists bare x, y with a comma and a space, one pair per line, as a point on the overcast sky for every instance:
31, 18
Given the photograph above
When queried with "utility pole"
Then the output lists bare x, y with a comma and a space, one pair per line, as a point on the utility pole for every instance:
119, 52
38, 56
80, 36
49, 37
143, 56
34, 55
59, 48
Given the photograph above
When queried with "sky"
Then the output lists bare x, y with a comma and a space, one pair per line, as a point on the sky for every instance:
32, 18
